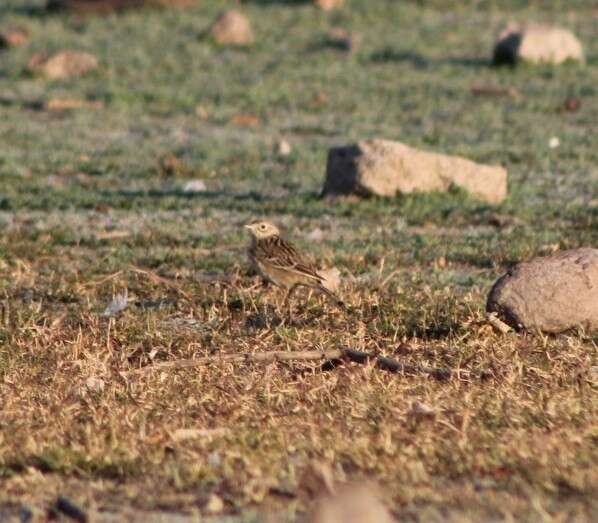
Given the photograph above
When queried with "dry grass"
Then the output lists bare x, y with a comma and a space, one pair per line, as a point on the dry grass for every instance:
522, 441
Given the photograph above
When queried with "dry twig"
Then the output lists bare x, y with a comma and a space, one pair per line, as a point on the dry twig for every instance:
332, 357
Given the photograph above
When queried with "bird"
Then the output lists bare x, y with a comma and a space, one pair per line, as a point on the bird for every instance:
278, 262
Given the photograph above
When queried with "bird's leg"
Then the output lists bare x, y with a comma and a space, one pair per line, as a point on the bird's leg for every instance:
287, 300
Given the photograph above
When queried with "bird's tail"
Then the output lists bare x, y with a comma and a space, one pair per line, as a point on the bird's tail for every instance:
332, 296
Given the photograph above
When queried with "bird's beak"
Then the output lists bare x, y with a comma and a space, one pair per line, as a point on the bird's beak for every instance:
248, 226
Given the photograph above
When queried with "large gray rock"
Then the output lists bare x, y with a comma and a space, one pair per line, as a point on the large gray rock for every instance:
550, 294
535, 43
386, 168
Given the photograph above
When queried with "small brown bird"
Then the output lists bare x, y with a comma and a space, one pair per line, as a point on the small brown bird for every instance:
278, 262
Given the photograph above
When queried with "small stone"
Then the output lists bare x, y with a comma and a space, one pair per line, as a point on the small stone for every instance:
66, 64
441, 262
214, 504
245, 120
550, 294
66, 104
329, 5
232, 28
421, 410
284, 148
13, 37
194, 186
316, 234
94, 384
535, 43
554, 142
214, 459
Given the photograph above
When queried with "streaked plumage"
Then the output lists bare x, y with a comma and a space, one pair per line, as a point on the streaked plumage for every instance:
280, 263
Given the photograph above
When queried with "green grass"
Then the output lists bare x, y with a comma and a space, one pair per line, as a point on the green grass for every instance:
85, 199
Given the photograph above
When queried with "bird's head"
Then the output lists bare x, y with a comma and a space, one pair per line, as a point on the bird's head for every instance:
262, 229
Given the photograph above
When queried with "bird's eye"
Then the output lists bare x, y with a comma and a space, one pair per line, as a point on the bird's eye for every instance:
263, 226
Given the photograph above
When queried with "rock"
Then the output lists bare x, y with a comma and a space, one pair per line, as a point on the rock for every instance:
316, 235
550, 294
214, 459
109, 6
329, 5
386, 168
245, 120
355, 503
94, 384
214, 504
535, 43
420, 410
194, 187
284, 148
554, 142
13, 37
441, 262
66, 64
232, 28
67, 104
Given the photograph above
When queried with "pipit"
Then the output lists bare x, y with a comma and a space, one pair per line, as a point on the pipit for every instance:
278, 262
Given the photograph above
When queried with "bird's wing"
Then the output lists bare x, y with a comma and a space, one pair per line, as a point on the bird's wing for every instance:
282, 255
